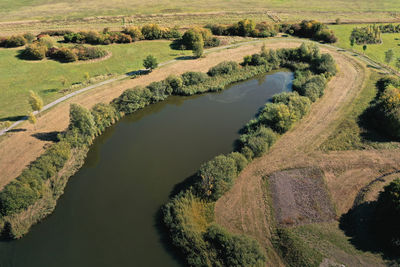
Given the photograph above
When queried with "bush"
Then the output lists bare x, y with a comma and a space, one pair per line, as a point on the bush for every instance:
258, 141
311, 29
82, 127
187, 218
150, 62
132, 100
193, 78
104, 115
217, 176
295, 251
28, 187
366, 35
278, 116
63, 54
34, 52
13, 41
240, 160
225, 67
192, 37
88, 53
234, 250
152, 32
29, 37
134, 32
175, 84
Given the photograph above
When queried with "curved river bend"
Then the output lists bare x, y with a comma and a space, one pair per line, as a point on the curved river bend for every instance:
108, 215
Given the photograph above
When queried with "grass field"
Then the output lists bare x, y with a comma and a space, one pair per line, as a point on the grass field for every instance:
375, 51
11, 10
18, 76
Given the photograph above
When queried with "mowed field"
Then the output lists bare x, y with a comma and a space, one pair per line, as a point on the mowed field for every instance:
16, 10
45, 77
374, 51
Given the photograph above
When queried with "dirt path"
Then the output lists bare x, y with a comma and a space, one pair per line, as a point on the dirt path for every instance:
20, 146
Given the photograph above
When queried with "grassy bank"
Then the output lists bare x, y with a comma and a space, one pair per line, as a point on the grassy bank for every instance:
46, 77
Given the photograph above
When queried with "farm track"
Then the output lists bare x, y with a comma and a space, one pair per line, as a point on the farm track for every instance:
244, 209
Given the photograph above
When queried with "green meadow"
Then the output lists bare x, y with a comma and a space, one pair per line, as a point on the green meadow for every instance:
46, 77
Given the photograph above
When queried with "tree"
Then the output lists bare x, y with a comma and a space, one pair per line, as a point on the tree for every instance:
150, 62
35, 101
32, 119
364, 48
389, 55
198, 49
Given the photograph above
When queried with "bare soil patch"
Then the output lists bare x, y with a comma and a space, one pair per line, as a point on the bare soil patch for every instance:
300, 196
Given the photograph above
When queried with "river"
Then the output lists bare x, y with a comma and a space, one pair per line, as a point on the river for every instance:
109, 213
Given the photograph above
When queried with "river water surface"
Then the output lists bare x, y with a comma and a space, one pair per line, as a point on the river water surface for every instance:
108, 215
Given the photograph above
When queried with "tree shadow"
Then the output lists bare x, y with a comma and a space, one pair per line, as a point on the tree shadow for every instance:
359, 224
16, 130
137, 72
165, 239
185, 58
49, 136
184, 185
13, 118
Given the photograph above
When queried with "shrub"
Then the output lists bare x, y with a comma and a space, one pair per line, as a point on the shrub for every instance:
29, 37
152, 32
217, 176
63, 54
234, 250
192, 37
159, 90
82, 127
240, 160
258, 141
13, 41
28, 187
104, 115
187, 217
278, 116
175, 84
34, 52
295, 251
193, 78
366, 35
88, 53
225, 67
46, 41
198, 49
150, 62
132, 100
134, 32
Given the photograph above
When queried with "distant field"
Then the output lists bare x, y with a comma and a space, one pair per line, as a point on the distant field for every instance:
375, 51
18, 76
326, 10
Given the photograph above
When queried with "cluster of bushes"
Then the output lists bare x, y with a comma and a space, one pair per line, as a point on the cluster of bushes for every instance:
366, 35
389, 28
13, 41
128, 35
310, 29
245, 28
388, 217
385, 110
55, 33
45, 47
30, 185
